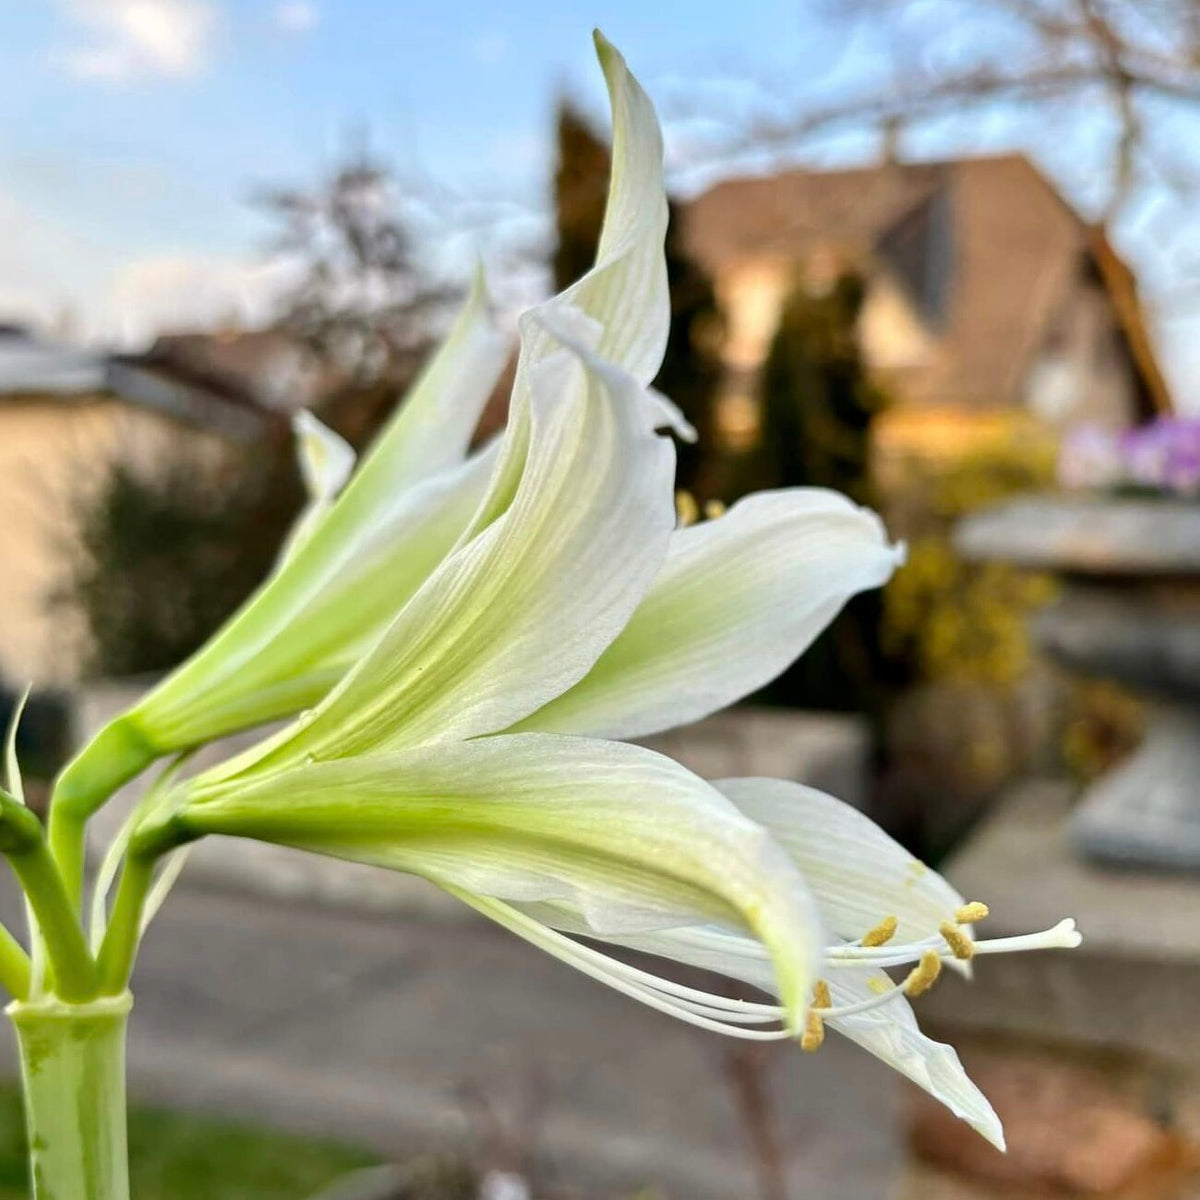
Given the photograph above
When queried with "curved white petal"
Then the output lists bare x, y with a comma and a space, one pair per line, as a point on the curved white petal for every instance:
522, 611
325, 457
300, 632
620, 310
625, 292
325, 460
890, 1032
354, 564
433, 426
12, 767
738, 599
629, 838
858, 873
892, 1035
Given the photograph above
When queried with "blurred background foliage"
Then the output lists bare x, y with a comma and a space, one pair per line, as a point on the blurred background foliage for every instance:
952, 619
166, 551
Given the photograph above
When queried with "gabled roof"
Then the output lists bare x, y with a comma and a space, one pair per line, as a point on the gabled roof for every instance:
36, 369
30, 365
1015, 250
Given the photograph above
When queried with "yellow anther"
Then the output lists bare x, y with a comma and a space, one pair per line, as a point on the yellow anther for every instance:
882, 933
880, 986
687, 511
958, 941
814, 1034
714, 509
821, 997
924, 975
970, 913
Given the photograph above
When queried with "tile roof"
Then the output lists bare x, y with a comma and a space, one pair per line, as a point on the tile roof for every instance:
1016, 249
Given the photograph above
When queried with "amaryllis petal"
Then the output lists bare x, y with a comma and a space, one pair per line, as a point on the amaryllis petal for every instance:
617, 830
858, 873
738, 599
326, 460
304, 628
521, 612
888, 1031
432, 429
625, 292
351, 566
891, 1034
620, 310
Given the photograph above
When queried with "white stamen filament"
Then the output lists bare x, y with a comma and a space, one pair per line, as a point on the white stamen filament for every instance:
726, 1014
624, 978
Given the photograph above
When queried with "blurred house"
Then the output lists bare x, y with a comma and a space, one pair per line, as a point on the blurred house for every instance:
65, 416
267, 369
987, 294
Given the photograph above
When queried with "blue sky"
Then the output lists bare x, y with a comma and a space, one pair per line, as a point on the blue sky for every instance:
131, 141
134, 130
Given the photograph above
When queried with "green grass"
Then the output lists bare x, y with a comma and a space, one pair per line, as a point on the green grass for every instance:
177, 1157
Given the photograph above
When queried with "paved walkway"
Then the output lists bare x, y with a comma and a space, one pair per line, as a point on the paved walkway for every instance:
375, 1028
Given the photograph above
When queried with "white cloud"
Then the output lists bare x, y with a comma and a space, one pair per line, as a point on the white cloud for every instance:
296, 16
49, 269
119, 40
171, 292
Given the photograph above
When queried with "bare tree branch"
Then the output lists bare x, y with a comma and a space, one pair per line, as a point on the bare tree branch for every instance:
1123, 54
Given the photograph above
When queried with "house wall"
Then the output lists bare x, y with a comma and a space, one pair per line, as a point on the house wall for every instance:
1083, 373
892, 336
751, 296
54, 454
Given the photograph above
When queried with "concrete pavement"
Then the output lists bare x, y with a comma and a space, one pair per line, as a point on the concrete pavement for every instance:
392, 1029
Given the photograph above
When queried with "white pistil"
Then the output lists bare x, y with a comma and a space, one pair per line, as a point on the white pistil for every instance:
1063, 936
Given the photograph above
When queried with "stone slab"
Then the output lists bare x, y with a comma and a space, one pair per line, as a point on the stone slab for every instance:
1134, 983
1087, 536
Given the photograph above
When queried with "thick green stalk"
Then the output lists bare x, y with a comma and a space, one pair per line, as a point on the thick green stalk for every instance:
149, 843
23, 843
115, 961
15, 971
113, 757
73, 1072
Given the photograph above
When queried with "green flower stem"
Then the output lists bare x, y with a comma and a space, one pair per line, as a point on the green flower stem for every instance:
15, 970
24, 845
73, 1071
149, 843
115, 961
113, 757
67, 832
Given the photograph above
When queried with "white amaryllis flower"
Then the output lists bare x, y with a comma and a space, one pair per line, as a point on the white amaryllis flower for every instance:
466, 744
354, 557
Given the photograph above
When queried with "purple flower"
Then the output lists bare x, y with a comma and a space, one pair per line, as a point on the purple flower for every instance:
1163, 456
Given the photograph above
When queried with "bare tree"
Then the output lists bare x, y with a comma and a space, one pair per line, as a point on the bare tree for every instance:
362, 298
1133, 63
